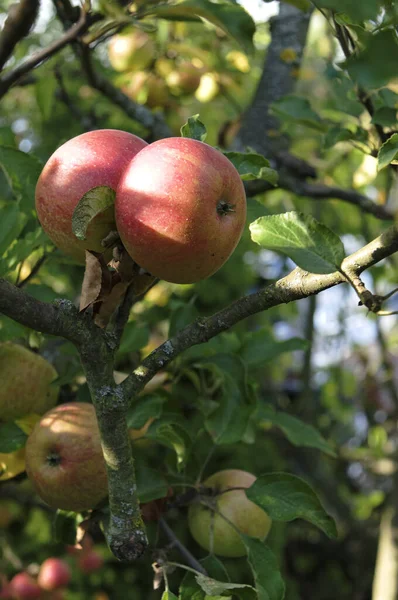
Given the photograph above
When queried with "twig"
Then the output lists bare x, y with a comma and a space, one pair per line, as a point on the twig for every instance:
17, 25
152, 121
191, 560
30, 63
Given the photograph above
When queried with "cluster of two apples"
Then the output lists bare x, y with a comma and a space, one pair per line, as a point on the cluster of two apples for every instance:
180, 204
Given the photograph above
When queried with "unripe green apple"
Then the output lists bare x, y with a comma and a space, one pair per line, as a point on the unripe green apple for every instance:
246, 516
64, 458
185, 79
180, 209
147, 88
92, 159
25, 382
131, 51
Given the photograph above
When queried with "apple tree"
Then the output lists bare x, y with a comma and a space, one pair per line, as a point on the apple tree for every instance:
183, 413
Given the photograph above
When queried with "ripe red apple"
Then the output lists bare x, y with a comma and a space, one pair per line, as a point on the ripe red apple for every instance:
24, 587
90, 561
54, 573
131, 51
247, 517
96, 158
25, 382
180, 209
64, 458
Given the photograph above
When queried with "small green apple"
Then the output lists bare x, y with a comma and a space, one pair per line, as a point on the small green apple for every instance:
26, 380
205, 521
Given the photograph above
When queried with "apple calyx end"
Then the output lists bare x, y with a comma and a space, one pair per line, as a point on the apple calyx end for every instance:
53, 459
224, 208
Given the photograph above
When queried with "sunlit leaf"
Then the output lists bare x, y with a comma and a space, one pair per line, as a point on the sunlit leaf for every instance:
312, 246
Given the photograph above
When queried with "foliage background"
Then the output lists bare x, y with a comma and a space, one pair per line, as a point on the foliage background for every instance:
322, 360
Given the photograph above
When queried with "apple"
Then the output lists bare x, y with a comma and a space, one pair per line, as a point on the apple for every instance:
90, 561
92, 159
131, 51
147, 88
64, 458
12, 464
180, 209
246, 516
24, 587
185, 79
26, 380
54, 573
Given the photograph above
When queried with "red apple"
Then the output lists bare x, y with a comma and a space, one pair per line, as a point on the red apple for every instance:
24, 587
90, 561
233, 504
64, 458
131, 51
96, 158
180, 209
54, 573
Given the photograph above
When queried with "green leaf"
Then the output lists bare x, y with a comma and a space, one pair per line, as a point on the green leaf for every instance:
385, 116
219, 588
377, 64
22, 171
151, 484
95, 201
230, 17
45, 89
12, 223
171, 431
336, 134
303, 5
286, 497
65, 526
312, 246
11, 437
358, 11
194, 128
143, 410
190, 589
388, 153
215, 568
134, 337
267, 577
297, 432
22, 249
298, 109
251, 165
183, 314
167, 595
10, 330
259, 347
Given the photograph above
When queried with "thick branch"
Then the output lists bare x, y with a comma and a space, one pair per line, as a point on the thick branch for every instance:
295, 286
59, 318
289, 31
17, 25
30, 63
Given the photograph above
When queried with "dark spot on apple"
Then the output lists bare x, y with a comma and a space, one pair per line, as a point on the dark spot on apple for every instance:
53, 459
224, 208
